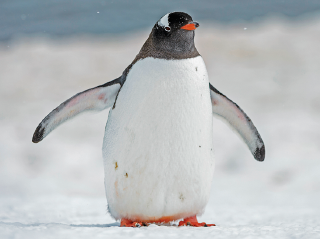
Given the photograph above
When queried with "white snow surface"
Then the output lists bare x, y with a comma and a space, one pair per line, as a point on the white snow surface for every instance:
55, 189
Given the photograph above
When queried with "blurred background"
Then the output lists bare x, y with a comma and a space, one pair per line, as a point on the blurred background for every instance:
264, 55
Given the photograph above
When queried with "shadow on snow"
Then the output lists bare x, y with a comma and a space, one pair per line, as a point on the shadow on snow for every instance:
18, 224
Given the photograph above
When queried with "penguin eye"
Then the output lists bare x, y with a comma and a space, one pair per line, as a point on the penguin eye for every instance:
167, 29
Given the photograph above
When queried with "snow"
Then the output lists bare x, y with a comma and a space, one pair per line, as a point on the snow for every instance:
55, 189
85, 217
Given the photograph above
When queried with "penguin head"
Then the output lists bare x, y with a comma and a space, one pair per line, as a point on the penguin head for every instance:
174, 33
175, 22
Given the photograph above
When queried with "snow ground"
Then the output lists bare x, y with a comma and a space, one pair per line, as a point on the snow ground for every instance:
55, 189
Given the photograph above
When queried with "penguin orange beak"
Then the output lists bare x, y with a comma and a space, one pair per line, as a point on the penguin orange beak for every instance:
190, 26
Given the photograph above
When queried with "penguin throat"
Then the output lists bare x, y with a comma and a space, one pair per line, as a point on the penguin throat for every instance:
174, 47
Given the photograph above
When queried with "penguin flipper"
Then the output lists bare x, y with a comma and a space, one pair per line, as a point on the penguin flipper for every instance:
235, 116
97, 99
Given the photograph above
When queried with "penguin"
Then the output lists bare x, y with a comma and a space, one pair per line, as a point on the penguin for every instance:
157, 147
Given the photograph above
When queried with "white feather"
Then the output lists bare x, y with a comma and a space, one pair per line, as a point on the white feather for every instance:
157, 148
228, 110
164, 21
95, 99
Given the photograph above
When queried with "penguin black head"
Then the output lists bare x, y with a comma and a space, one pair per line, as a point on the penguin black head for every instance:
173, 36
174, 22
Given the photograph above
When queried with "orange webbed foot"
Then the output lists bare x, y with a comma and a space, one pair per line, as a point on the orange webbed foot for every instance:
128, 223
192, 221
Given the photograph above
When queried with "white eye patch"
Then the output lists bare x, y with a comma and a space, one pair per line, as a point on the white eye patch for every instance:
164, 21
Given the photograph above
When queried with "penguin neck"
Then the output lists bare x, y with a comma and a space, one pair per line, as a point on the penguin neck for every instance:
175, 48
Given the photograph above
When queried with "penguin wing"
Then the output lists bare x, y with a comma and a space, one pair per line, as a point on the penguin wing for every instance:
231, 112
97, 98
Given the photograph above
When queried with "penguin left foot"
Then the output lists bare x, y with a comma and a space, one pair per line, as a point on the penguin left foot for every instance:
192, 221
128, 223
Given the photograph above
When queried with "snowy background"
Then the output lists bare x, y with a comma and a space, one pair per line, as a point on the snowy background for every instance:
55, 189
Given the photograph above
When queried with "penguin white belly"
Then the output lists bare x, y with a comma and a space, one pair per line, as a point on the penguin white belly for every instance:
157, 148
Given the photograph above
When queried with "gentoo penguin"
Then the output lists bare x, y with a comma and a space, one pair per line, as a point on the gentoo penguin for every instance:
157, 147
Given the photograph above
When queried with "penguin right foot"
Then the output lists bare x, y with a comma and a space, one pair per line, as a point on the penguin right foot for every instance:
128, 223
192, 221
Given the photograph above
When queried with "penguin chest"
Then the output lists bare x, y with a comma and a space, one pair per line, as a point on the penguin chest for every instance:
158, 141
